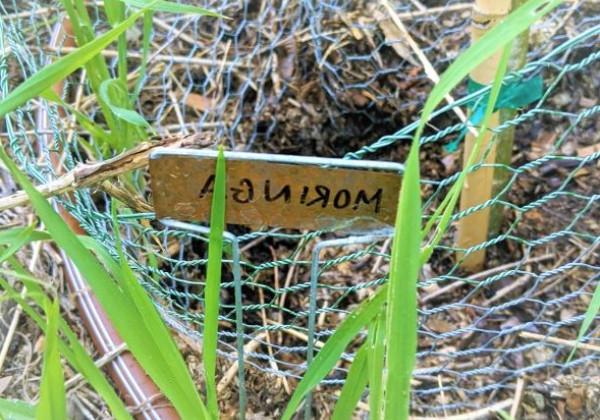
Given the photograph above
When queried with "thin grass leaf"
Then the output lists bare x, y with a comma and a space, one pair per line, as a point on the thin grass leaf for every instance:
355, 384
376, 362
401, 310
8, 236
114, 93
331, 352
504, 415
161, 342
101, 136
113, 8
590, 315
496, 38
19, 240
159, 360
53, 397
57, 71
146, 38
70, 348
456, 189
212, 290
16, 410
171, 7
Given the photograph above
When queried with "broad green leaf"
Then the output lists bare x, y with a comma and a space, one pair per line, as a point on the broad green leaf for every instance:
16, 410
57, 71
331, 352
212, 290
355, 384
171, 7
53, 397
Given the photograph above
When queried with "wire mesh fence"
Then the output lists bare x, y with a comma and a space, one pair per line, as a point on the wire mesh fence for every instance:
338, 79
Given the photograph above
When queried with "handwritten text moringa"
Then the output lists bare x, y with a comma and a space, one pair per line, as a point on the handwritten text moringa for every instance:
247, 191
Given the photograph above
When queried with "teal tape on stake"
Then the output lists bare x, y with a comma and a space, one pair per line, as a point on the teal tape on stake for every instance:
513, 95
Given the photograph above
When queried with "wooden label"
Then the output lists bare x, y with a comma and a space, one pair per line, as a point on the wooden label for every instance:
276, 190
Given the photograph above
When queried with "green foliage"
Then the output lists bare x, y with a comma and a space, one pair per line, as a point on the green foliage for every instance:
356, 381
127, 305
213, 284
171, 7
59, 70
16, 410
590, 314
331, 352
70, 347
53, 398
123, 298
376, 362
407, 256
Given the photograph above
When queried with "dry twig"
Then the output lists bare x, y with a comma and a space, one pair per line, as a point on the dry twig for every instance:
87, 175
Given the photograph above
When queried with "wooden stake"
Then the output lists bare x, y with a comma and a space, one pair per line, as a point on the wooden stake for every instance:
505, 139
473, 229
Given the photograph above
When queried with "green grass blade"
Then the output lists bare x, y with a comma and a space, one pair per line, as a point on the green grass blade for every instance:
155, 359
9, 236
172, 363
401, 314
16, 410
22, 238
376, 359
212, 290
146, 38
102, 137
456, 189
57, 71
495, 39
355, 384
171, 7
114, 93
331, 352
53, 397
590, 314
401, 310
112, 8
70, 348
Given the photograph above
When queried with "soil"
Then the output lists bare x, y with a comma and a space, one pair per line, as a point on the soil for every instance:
318, 112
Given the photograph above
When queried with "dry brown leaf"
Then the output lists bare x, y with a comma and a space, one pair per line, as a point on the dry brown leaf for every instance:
199, 102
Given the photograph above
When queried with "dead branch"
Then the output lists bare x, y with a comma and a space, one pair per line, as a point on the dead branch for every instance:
87, 175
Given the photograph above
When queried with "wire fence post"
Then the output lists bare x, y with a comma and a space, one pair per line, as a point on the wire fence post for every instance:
368, 237
239, 315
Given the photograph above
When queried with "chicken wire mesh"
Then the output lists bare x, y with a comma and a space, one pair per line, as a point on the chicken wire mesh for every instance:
338, 79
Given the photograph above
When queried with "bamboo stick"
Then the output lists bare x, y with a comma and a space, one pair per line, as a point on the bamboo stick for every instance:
505, 142
473, 229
